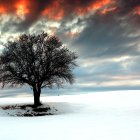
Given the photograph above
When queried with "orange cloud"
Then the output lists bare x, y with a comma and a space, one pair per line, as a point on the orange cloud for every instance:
51, 14
58, 9
99, 4
54, 11
2, 10
108, 10
72, 34
22, 8
95, 5
137, 10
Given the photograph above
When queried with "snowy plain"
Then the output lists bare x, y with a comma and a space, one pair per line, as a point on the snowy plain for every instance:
93, 116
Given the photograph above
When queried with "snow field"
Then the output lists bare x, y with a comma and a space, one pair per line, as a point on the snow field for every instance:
94, 116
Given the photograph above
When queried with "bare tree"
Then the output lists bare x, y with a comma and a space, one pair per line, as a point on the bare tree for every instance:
38, 61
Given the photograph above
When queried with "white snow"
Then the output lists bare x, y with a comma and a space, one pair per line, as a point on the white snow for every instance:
95, 116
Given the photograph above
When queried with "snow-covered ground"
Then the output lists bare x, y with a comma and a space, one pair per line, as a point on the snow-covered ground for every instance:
94, 116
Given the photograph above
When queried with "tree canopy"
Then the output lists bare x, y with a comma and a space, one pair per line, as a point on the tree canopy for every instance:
37, 60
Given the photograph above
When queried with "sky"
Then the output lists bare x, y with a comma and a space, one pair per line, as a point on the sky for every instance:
105, 34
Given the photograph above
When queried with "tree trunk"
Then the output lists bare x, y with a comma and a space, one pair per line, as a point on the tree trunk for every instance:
37, 92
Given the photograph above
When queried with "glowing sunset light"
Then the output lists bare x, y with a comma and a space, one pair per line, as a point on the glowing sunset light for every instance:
92, 7
21, 8
54, 14
72, 34
2, 10
98, 4
108, 10
137, 10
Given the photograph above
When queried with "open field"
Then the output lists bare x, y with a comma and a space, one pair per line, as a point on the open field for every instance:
94, 116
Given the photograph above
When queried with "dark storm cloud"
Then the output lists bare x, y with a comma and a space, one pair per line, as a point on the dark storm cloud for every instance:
130, 9
126, 7
107, 36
